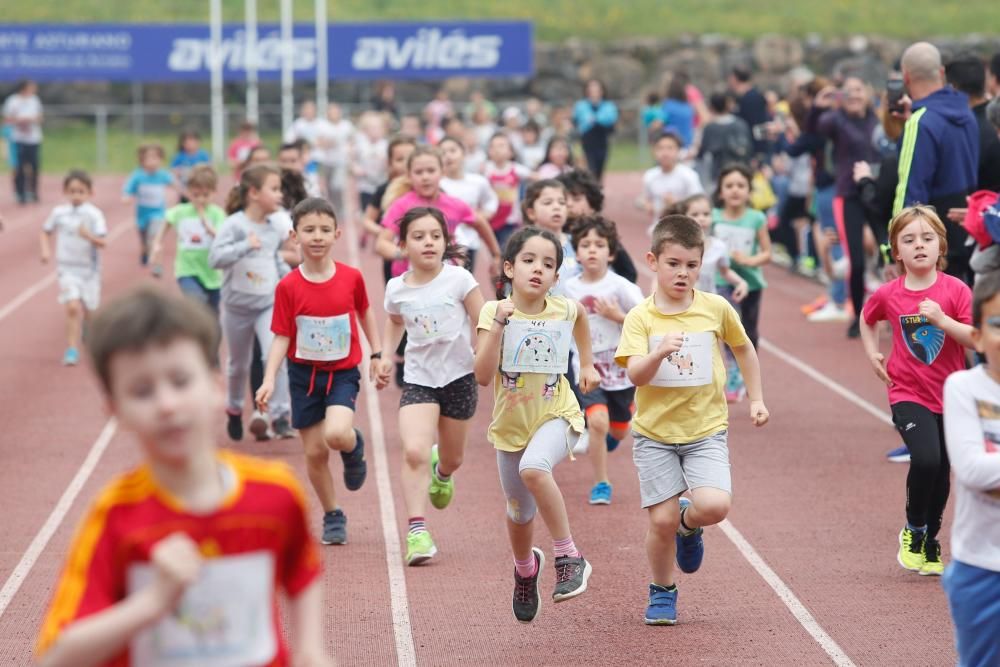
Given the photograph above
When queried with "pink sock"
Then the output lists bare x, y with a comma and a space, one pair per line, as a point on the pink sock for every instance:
526, 568
565, 548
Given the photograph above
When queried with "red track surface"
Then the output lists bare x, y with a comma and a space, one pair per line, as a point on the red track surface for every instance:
813, 496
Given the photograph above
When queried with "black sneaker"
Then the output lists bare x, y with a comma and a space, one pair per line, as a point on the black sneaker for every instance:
854, 331
334, 527
571, 577
234, 426
282, 429
355, 466
527, 602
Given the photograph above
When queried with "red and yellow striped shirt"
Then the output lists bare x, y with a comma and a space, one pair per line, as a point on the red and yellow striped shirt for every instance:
264, 514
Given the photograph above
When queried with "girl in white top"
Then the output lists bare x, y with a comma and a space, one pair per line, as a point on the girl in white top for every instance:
716, 258
436, 305
473, 189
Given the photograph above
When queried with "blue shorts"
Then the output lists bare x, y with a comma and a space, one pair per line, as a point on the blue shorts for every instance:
313, 391
974, 600
145, 217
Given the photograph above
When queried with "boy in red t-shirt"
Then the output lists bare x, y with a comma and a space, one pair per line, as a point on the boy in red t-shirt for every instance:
318, 309
181, 559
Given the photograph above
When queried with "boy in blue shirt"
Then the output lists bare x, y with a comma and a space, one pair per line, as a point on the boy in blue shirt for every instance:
147, 187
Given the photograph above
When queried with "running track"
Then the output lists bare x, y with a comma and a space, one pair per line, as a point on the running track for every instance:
803, 573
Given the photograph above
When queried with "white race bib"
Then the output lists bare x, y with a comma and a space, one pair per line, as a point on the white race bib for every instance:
255, 275
737, 239
151, 195
435, 321
191, 234
690, 366
536, 346
225, 619
323, 338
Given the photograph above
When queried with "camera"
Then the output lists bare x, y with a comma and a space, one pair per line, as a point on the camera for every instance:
894, 92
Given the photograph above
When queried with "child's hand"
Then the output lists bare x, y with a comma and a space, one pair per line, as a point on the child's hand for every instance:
177, 562
264, 394
957, 214
154, 254
758, 413
609, 308
254, 241
504, 310
44, 257
878, 365
739, 257
932, 311
590, 379
740, 291
375, 374
670, 343
383, 371
862, 170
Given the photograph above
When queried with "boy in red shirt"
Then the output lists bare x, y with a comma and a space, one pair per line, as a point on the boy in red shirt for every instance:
182, 557
318, 309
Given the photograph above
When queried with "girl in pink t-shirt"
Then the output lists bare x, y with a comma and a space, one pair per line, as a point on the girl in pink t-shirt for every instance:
930, 313
423, 171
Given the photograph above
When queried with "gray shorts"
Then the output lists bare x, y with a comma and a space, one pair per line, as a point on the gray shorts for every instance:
669, 470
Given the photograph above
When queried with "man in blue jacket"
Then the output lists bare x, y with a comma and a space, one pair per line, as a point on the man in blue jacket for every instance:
939, 150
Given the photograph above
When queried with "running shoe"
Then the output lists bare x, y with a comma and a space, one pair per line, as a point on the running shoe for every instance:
234, 427
282, 429
611, 442
899, 455
71, 357
355, 466
600, 494
932, 566
439, 492
814, 305
419, 548
527, 602
830, 312
259, 426
572, 574
334, 527
662, 607
690, 546
911, 549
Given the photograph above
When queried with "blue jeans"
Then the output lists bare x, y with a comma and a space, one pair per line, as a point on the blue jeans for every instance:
827, 220
192, 287
974, 600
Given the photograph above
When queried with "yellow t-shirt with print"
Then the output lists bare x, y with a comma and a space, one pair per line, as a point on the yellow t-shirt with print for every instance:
525, 401
685, 402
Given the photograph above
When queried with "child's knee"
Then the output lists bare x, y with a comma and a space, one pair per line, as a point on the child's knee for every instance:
714, 511
416, 456
664, 523
317, 457
520, 513
339, 437
533, 477
597, 419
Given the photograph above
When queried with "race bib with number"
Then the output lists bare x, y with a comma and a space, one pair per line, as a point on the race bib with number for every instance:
255, 275
225, 619
690, 366
151, 195
191, 234
737, 239
436, 321
323, 338
536, 346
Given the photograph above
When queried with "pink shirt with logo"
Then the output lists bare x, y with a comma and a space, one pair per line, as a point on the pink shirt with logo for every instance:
455, 212
506, 182
922, 355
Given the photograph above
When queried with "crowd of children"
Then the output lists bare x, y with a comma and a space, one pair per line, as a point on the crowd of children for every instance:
577, 353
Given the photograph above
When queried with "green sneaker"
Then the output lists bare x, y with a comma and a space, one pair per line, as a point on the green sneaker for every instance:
419, 548
911, 549
440, 492
932, 559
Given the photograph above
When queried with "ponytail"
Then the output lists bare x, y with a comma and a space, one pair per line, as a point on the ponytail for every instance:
253, 176
234, 200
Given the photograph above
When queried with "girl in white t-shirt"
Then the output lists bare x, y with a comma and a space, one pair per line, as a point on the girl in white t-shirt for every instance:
436, 304
473, 189
715, 261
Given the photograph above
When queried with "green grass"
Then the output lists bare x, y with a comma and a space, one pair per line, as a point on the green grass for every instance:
558, 19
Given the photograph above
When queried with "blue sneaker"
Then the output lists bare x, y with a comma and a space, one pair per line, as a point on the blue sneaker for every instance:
690, 547
899, 455
355, 466
612, 442
662, 609
72, 357
600, 494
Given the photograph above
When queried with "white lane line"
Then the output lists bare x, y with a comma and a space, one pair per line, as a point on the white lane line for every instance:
40, 285
59, 512
799, 611
770, 577
406, 654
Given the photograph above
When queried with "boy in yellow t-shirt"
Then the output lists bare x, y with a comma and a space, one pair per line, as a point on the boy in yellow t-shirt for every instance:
670, 346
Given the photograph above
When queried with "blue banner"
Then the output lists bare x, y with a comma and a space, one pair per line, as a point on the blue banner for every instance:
180, 52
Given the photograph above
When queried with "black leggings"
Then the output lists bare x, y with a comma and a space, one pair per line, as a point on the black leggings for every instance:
595, 149
927, 484
849, 213
750, 314
26, 176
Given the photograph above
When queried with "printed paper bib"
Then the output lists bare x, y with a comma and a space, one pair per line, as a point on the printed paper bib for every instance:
432, 322
323, 338
255, 275
536, 346
191, 234
737, 239
690, 366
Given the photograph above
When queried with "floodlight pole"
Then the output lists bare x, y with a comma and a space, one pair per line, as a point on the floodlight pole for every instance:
287, 52
250, 60
215, 63
322, 76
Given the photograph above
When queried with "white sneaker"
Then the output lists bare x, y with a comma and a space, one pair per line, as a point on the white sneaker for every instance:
830, 312
841, 267
259, 426
582, 443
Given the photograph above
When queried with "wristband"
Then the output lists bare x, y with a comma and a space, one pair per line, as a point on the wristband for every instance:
376, 355
502, 323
